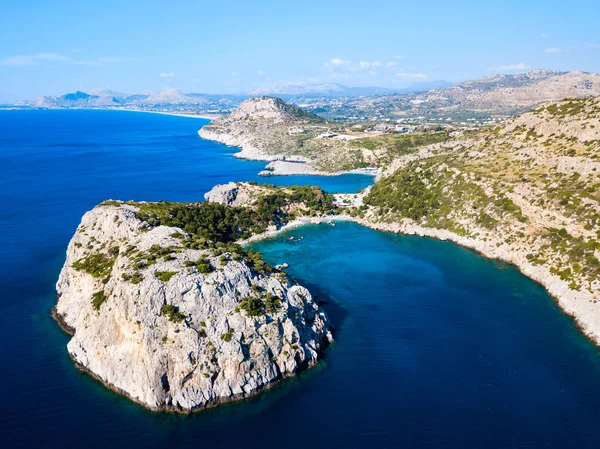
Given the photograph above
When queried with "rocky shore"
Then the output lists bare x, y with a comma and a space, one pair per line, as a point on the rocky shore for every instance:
176, 328
579, 304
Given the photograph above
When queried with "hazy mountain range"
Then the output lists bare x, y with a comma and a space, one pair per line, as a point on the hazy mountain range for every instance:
170, 97
494, 94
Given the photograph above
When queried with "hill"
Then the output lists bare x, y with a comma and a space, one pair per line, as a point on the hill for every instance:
298, 142
503, 95
527, 192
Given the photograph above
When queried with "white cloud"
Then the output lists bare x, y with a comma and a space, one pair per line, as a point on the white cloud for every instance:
41, 58
399, 57
417, 76
544, 36
391, 64
261, 73
337, 62
552, 50
593, 45
166, 75
511, 67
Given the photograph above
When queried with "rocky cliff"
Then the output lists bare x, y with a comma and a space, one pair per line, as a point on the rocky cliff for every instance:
176, 322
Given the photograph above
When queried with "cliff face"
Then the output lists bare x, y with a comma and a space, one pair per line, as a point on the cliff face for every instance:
176, 328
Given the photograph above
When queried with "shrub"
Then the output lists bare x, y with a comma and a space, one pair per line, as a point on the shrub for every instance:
272, 303
98, 299
99, 265
137, 277
227, 336
164, 276
252, 306
172, 313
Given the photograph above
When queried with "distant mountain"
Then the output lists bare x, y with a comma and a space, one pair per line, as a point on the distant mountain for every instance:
170, 97
338, 90
491, 95
108, 98
494, 94
510, 93
77, 100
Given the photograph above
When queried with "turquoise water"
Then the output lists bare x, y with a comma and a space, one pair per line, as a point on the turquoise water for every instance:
436, 346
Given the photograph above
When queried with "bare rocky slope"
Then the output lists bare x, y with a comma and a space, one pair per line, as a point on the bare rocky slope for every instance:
503, 95
269, 129
297, 142
182, 320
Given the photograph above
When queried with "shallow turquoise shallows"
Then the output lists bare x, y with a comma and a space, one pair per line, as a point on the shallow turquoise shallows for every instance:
435, 347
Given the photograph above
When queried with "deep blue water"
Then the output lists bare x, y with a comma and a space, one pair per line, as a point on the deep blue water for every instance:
436, 346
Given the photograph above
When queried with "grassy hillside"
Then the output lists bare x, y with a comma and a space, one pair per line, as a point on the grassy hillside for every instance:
530, 187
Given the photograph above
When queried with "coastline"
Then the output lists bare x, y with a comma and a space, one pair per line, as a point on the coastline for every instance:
279, 164
169, 409
176, 114
554, 286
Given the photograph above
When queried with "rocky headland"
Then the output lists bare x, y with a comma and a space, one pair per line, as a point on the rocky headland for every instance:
170, 312
291, 140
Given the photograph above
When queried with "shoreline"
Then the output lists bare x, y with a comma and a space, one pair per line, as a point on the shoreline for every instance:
575, 304
175, 114
279, 164
169, 409
554, 286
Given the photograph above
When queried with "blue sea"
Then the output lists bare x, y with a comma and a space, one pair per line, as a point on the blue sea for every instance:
436, 347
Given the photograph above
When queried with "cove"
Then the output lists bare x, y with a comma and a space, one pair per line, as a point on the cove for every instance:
439, 347
436, 346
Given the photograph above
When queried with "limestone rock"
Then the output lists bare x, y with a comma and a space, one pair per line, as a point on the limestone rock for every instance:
169, 336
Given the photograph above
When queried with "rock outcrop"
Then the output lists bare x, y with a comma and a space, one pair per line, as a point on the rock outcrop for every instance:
176, 328
268, 129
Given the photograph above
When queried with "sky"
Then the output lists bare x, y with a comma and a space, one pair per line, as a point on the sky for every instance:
60, 46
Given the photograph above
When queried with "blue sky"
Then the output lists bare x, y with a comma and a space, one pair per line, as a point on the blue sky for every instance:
53, 47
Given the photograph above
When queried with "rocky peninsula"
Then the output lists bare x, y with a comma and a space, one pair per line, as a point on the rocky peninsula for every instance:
293, 141
164, 308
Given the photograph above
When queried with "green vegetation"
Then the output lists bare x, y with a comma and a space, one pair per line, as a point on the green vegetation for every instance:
394, 145
272, 303
219, 223
98, 299
203, 265
227, 336
99, 265
111, 203
257, 306
164, 276
405, 192
252, 306
429, 193
172, 313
